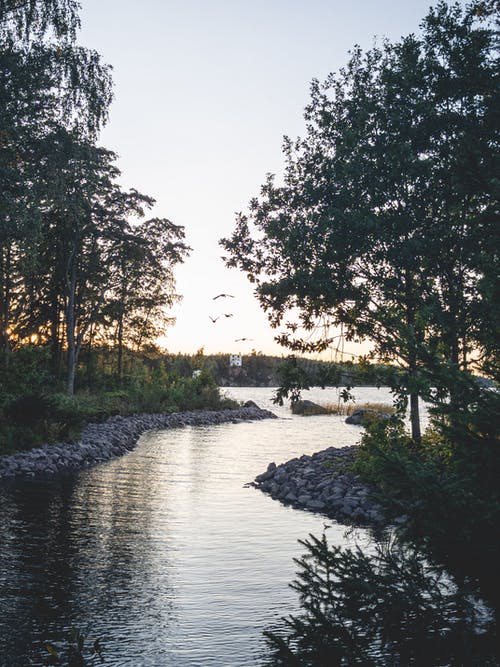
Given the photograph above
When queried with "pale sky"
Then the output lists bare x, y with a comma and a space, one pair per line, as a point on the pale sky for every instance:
204, 92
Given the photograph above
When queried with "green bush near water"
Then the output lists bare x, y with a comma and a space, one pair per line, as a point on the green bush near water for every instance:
391, 607
34, 410
447, 486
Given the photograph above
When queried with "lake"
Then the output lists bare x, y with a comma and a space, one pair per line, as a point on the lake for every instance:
165, 554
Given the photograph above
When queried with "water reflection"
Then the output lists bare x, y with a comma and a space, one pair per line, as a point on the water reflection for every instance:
163, 554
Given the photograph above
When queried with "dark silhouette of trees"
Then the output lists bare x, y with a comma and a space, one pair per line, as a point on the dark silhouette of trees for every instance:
78, 261
385, 220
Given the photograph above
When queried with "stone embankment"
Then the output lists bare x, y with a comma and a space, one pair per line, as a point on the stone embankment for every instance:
113, 437
323, 483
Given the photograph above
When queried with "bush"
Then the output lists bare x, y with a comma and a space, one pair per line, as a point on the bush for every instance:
389, 608
32, 411
447, 486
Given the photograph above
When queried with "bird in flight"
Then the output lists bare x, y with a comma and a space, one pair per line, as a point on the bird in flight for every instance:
214, 319
219, 296
236, 340
228, 314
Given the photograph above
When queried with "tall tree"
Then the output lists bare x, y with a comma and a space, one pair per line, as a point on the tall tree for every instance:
46, 81
143, 286
354, 231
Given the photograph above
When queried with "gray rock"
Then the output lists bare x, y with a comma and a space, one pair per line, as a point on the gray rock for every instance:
315, 505
115, 436
307, 408
375, 515
362, 416
334, 503
271, 469
305, 483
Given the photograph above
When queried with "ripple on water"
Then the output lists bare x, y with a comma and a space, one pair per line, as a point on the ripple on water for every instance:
164, 553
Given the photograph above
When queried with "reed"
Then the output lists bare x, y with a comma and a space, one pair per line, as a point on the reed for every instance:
347, 409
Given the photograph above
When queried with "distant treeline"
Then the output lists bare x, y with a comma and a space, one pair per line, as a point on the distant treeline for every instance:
261, 370
35, 408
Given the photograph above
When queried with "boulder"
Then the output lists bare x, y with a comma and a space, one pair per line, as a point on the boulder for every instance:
363, 415
250, 404
308, 408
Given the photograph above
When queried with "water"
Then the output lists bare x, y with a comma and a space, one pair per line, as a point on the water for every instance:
164, 554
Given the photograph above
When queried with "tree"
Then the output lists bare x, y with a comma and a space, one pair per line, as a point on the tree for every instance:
93, 268
46, 81
72, 264
354, 233
143, 282
26, 20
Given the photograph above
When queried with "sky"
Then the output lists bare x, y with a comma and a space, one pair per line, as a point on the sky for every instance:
204, 92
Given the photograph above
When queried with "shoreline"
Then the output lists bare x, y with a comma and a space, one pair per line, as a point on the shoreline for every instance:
114, 437
323, 482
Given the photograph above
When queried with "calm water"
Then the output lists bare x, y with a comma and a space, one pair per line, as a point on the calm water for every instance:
164, 553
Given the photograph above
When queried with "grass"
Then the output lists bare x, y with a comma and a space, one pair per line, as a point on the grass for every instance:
347, 409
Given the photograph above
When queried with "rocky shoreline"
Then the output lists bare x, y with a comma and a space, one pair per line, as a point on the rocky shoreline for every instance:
324, 483
113, 437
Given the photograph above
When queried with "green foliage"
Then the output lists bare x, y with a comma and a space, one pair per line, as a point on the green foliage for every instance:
25, 372
447, 486
34, 410
74, 268
293, 379
385, 224
296, 374
392, 607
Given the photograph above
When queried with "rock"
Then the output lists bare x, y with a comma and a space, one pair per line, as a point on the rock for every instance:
375, 515
306, 483
363, 415
308, 408
334, 503
280, 474
250, 404
115, 436
271, 469
274, 489
315, 505
400, 520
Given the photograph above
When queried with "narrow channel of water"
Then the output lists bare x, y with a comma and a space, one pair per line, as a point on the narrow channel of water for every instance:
164, 554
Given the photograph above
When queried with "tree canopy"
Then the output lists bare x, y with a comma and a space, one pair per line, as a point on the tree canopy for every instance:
79, 262
386, 219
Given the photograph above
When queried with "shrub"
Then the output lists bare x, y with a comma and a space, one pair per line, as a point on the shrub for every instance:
389, 608
447, 486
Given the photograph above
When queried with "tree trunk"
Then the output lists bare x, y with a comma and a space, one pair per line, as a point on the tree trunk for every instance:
121, 315
412, 358
5, 292
55, 337
120, 347
70, 330
415, 418
70, 378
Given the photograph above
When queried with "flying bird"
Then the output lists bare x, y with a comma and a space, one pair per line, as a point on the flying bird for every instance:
214, 319
236, 340
228, 314
219, 296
